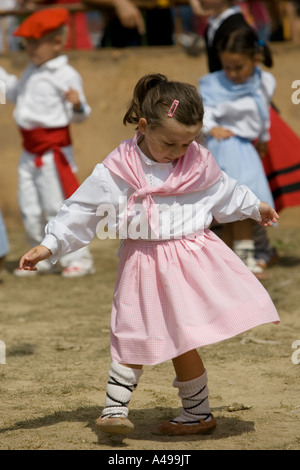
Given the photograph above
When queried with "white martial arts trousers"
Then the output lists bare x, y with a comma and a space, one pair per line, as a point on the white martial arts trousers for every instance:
40, 195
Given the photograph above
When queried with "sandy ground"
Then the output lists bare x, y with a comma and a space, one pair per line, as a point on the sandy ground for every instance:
56, 331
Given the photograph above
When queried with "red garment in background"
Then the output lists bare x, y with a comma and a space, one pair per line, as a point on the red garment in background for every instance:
282, 163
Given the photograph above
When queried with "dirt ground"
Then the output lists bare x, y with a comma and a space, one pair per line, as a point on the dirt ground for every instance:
56, 330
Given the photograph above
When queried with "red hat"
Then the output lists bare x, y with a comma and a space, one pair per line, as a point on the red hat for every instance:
42, 22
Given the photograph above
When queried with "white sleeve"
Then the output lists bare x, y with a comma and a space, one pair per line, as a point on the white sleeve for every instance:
268, 89
268, 84
233, 202
11, 85
209, 119
76, 223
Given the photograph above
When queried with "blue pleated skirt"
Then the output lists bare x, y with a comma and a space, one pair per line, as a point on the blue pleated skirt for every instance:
238, 158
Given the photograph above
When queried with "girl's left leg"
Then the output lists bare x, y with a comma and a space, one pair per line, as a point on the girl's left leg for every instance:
123, 379
191, 380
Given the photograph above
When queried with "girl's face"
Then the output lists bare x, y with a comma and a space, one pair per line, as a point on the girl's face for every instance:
169, 142
238, 67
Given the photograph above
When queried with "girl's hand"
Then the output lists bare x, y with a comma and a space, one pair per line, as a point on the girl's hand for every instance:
73, 97
221, 133
33, 256
268, 215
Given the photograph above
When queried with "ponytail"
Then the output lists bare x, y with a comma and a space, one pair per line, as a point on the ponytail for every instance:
154, 96
146, 83
264, 49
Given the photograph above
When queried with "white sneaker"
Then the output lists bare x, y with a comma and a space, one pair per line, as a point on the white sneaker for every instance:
42, 268
23, 273
77, 271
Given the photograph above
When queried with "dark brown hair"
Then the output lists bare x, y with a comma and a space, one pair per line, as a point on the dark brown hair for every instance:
245, 41
153, 96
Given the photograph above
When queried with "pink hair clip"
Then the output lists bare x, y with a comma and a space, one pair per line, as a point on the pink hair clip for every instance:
173, 108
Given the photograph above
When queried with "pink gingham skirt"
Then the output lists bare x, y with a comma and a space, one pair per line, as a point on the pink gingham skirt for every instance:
173, 296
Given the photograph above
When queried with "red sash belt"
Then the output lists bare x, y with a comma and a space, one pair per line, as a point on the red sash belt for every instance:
40, 140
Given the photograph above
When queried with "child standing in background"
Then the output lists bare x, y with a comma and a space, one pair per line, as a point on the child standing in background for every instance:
225, 17
48, 97
175, 282
237, 101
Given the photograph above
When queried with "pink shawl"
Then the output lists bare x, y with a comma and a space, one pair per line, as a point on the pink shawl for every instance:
195, 171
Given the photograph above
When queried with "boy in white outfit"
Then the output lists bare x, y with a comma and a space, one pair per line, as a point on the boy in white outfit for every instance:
48, 97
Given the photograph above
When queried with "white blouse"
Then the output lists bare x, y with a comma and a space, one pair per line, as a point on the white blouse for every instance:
241, 116
100, 204
39, 94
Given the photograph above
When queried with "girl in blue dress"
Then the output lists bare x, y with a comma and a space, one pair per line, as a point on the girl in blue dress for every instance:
237, 101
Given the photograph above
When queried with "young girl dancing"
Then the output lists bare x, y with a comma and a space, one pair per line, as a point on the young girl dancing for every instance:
174, 290
237, 101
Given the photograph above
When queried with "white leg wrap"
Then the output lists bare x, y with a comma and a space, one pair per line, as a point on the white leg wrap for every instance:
121, 383
194, 397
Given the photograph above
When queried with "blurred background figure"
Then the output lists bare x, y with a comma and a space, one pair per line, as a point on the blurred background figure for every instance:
257, 15
190, 22
126, 25
225, 16
7, 26
291, 20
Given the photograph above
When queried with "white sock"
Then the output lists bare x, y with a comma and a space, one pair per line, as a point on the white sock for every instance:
194, 397
121, 383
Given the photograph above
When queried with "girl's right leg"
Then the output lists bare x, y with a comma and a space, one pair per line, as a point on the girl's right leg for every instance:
123, 379
191, 381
